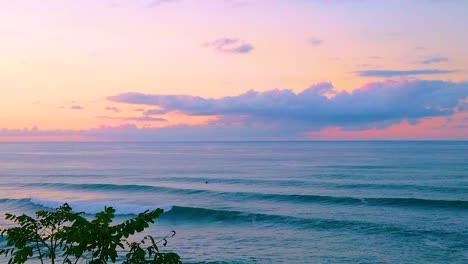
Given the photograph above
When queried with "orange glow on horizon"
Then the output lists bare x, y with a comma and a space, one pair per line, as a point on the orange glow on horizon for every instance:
427, 129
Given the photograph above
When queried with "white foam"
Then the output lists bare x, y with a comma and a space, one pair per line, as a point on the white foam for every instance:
90, 207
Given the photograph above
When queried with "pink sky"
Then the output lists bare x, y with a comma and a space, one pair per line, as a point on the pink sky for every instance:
242, 70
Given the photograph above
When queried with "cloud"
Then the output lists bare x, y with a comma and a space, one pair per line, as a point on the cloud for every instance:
237, 3
34, 131
444, 1
154, 3
463, 107
376, 105
315, 42
112, 109
434, 60
76, 107
133, 118
155, 112
230, 45
376, 109
401, 73
131, 132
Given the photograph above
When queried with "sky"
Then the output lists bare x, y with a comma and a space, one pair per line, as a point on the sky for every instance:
191, 70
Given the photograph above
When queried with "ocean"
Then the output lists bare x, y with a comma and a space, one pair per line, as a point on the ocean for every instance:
261, 202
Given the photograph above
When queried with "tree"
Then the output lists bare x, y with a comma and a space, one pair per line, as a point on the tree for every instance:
63, 236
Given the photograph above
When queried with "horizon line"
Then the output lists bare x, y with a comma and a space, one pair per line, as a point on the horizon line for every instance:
241, 141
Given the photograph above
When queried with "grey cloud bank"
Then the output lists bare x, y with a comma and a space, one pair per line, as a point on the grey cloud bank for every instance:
376, 105
281, 114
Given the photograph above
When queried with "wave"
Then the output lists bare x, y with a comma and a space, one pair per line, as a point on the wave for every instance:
87, 207
195, 214
301, 198
314, 183
407, 187
459, 188
95, 207
234, 181
204, 214
359, 167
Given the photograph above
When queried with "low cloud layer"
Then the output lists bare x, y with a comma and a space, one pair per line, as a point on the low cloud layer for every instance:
285, 115
376, 105
133, 118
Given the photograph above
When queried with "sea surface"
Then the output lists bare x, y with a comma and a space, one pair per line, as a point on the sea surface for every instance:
261, 202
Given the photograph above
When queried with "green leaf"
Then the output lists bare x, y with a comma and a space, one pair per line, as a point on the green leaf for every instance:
74, 237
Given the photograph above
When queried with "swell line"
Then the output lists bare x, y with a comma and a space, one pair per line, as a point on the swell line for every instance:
302, 198
196, 214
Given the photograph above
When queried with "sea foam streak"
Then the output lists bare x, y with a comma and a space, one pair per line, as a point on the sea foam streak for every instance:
95, 207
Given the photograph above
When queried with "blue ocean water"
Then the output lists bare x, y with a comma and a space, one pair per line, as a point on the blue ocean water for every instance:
261, 202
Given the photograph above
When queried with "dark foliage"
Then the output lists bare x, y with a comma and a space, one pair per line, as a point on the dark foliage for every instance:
63, 236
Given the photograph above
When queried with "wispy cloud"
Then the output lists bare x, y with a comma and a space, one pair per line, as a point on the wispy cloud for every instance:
434, 60
402, 73
230, 45
133, 118
237, 3
155, 112
154, 3
76, 107
112, 109
315, 41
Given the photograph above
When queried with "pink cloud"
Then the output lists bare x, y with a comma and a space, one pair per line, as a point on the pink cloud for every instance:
428, 129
